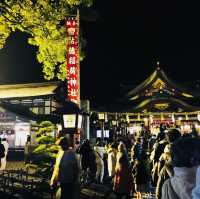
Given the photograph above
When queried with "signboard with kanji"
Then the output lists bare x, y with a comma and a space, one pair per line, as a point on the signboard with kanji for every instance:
72, 29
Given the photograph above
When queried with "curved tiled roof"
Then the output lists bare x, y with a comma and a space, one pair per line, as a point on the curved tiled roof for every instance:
27, 90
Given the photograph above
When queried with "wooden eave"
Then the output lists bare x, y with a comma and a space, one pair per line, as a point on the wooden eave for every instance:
150, 102
30, 90
158, 74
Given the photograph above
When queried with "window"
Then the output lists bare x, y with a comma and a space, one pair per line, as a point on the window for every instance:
26, 102
35, 110
41, 110
47, 110
47, 103
38, 102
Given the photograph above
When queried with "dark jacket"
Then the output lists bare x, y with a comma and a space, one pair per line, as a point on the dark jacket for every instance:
2, 151
140, 173
123, 181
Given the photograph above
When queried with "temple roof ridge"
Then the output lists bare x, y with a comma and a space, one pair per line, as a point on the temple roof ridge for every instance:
159, 77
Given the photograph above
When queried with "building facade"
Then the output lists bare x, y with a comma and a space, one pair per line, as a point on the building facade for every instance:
23, 105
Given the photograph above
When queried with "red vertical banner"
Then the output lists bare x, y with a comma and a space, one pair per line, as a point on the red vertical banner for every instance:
73, 87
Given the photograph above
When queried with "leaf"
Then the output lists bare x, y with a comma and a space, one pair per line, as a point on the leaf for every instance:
41, 19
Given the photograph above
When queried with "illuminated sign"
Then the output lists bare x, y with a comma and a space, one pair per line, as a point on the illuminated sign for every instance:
101, 116
98, 133
72, 29
69, 121
106, 134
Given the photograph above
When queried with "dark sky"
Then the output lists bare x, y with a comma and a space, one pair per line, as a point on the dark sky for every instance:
123, 46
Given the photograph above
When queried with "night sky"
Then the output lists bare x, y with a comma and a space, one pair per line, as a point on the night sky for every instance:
123, 46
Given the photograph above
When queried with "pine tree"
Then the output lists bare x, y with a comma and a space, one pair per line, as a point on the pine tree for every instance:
43, 156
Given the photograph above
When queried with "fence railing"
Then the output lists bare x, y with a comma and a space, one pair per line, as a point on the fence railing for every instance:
23, 182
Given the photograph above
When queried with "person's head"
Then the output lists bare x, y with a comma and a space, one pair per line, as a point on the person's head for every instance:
121, 147
64, 144
86, 142
161, 136
4, 140
123, 161
139, 139
172, 135
112, 145
186, 152
98, 142
77, 142
28, 138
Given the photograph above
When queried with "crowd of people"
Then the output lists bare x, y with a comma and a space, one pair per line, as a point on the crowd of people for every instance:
167, 164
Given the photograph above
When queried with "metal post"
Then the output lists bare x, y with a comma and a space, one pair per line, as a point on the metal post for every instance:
102, 129
88, 127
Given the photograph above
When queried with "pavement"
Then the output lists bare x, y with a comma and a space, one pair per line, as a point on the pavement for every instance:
12, 165
15, 162
15, 165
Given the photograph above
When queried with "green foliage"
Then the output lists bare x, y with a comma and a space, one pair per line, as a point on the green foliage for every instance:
43, 157
46, 139
43, 21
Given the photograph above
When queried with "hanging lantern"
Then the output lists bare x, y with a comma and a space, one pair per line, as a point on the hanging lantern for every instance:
139, 117
146, 121
106, 117
198, 117
173, 118
127, 118
151, 119
161, 117
180, 118
186, 116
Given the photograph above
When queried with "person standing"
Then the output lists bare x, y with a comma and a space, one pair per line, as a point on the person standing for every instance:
122, 151
141, 177
165, 168
27, 150
88, 162
123, 181
2, 152
185, 160
112, 152
66, 171
99, 151
3, 160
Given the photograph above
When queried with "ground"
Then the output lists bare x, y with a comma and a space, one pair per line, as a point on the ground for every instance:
15, 162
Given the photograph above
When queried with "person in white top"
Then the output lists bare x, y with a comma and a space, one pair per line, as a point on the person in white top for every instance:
99, 152
4, 159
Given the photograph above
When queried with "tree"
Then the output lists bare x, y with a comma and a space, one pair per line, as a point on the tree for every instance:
43, 156
43, 20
